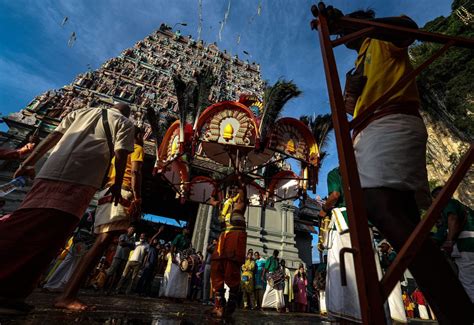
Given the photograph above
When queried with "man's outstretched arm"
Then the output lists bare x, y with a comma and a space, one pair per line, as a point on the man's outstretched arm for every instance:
47, 144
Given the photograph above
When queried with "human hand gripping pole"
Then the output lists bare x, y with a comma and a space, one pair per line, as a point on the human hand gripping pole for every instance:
332, 15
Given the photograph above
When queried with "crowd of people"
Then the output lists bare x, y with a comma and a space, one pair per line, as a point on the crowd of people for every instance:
55, 208
149, 267
268, 283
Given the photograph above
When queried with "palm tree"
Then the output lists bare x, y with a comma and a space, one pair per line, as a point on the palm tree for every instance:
320, 126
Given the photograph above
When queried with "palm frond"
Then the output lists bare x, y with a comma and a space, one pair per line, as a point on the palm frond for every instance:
322, 155
274, 99
306, 120
320, 127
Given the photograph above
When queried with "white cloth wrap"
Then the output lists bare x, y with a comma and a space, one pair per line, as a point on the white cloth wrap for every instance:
465, 263
108, 212
342, 301
174, 283
391, 152
63, 273
423, 312
273, 298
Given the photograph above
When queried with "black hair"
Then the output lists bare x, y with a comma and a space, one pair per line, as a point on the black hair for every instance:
362, 14
276, 252
138, 135
301, 274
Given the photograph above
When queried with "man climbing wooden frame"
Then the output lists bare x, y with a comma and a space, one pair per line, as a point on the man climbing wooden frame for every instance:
372, 294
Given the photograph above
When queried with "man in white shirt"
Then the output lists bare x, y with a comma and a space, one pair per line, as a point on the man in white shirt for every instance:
134, 263
83, 145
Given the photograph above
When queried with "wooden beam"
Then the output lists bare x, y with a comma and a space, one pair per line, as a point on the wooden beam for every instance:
352, 36
409, 32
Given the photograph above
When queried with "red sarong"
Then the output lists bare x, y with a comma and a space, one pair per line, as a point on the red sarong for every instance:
227, 260
34, 234
29, 240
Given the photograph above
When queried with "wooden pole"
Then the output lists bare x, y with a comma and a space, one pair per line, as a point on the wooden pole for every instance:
370, 296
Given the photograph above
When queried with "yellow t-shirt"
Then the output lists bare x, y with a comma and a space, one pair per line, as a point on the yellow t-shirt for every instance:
385, 64
136, 155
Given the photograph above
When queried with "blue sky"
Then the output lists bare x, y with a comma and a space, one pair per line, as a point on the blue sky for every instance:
34, 55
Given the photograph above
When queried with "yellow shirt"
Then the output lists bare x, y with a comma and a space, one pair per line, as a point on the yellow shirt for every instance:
385, 64
136, 155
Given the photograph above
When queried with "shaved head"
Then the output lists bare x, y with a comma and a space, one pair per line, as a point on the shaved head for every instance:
123, 108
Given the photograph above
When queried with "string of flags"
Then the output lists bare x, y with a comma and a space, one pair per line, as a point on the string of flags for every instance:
72, 39
251, 19
200, 19
65, 19
224, 21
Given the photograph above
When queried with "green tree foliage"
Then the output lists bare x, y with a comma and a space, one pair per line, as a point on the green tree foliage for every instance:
446, 86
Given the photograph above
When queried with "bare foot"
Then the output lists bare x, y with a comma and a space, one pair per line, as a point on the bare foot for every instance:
72, 304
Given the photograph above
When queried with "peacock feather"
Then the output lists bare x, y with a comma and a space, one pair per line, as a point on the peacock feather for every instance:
274, 98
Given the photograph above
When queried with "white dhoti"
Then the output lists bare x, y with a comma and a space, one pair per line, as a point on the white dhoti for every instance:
63, 273
423, 312
273, 298
343, 301
465, 263
174, 283
322, 302
110, 217
391, 152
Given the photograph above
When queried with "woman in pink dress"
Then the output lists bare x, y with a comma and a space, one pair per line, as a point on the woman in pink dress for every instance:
300, 282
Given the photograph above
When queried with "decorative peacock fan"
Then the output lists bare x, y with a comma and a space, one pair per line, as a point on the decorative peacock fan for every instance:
202, 150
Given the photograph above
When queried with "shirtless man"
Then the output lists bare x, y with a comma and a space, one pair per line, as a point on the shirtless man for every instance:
229, 255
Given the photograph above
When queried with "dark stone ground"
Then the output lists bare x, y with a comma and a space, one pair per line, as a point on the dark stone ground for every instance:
121, 310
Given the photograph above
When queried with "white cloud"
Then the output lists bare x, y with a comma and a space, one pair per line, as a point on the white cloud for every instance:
19, 79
